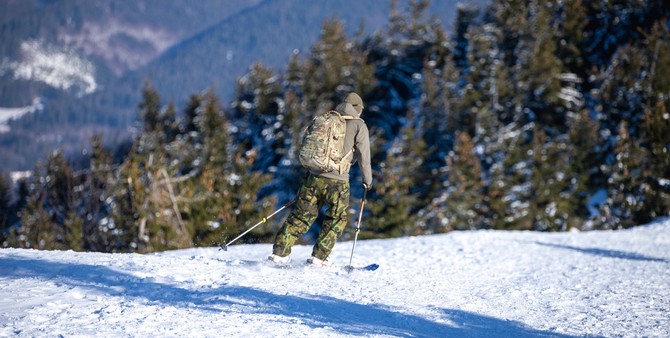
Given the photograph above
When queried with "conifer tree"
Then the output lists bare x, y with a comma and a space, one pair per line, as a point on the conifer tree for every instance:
96, 203
257, 105
624, 205
571, 35
191, 140
224, 199
50, 205
74, 237
170, 123
148, 213
130, 212
37, 228
465, 15
482, 96
656, 121
207, 213
510, 190
464, 206
150, 108
437, 105
551, 204
334, 67
621, 92
436, 125
5, 189
656, 135
329, 66
634, 90
511, 18
248, 209
192, 112
582, 147
289, 172
400, 54
540, 71
394, 205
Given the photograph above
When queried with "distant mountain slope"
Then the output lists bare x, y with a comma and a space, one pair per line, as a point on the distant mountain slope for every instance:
98, 27
267, 33
183, 46
115, 36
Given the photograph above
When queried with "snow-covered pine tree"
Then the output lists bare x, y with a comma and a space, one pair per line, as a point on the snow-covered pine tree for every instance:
465, 17
5, 206
551, 200
626, 183
50, 205
223, 197
510, 191
434, 125
395, 204
655, 133
97, 201
464, 207
540, 70
209, 212
146, 214
330, 65
583, 147
257, 116
570, 34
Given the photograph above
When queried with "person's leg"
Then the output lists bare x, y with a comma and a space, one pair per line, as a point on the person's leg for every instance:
337, 200
299, 221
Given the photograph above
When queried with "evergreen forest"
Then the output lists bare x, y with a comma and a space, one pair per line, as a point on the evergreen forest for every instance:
544, 115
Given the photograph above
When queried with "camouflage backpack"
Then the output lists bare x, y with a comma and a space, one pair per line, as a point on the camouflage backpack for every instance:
323, 144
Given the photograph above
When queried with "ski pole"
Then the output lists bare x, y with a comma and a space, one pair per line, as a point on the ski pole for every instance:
358, 229
224, 246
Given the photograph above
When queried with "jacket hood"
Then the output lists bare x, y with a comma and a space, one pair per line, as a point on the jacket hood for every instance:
347, 109
355, 101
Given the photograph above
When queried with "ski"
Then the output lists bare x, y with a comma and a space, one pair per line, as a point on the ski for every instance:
371, 267
348, 268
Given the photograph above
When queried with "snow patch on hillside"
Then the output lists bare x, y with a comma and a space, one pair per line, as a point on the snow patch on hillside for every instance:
58, 66
461, 284
7, 114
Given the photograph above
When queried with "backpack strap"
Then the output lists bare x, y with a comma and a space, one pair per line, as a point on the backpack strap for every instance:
345, 162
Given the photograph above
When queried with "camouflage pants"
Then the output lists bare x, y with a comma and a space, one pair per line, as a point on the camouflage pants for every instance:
314, 193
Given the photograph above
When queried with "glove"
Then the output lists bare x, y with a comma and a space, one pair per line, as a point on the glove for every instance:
367, 187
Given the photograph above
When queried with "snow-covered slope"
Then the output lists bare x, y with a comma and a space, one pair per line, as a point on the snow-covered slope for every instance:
58, 66
7, 114
483, 283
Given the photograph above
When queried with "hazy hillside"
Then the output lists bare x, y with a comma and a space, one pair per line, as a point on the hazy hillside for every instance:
88, 60
68, 52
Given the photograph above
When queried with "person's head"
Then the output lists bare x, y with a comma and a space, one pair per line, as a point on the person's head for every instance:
355, 101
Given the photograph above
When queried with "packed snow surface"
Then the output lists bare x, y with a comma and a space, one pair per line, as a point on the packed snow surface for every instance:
461, 284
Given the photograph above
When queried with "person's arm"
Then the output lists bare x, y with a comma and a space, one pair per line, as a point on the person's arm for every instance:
363, 147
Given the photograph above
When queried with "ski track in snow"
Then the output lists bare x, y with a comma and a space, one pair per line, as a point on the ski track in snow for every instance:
461, 284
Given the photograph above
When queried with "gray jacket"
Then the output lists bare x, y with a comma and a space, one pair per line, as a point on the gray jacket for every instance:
357, 137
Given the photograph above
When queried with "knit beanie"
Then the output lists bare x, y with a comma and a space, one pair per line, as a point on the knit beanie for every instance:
355, 101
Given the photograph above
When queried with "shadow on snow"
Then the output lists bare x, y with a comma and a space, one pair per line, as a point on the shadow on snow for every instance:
605, 252
312, 310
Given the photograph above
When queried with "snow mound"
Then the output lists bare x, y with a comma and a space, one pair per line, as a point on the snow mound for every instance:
475, 283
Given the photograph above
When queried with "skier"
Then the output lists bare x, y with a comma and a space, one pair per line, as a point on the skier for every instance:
329, 187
